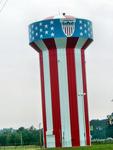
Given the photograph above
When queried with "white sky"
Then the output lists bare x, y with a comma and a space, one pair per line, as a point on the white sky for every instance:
20, 95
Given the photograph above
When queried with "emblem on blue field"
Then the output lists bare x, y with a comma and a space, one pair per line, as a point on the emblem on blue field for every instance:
68, 26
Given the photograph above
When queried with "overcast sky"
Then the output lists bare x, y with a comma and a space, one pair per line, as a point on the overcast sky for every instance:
20, 94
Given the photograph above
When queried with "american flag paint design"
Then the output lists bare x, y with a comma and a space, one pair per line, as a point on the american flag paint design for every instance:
63, 80
53, 28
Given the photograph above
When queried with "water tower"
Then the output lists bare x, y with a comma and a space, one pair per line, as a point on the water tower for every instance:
61, 43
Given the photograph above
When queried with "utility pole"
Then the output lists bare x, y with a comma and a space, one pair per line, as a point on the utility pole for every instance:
40, 134
21, 139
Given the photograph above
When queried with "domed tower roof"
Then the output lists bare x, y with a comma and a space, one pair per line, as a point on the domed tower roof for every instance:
63, 15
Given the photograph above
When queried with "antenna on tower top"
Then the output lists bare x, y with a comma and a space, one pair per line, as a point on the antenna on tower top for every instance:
63, 13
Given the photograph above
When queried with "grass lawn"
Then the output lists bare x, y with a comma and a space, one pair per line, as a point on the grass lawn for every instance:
93, 147
20, 148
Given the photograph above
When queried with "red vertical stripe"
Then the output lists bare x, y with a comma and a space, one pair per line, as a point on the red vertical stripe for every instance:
85, 98
87, 43
43, 96
71, 43
33, 45
54, 90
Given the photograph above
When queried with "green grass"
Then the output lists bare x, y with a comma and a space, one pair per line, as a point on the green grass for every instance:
93, 147
19, 148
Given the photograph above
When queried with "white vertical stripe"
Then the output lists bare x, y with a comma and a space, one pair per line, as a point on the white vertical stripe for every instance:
47, 90
49, 134
63, 88
41, 45
80, 94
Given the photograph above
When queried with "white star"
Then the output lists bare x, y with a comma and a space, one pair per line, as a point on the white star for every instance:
81, 28
85, 25
36, 28
52, 34
41, 30
81, 33
32, 32
46, 26
89, 34
32, 26
46, 32
40, 24
36, 34
52, 28
51, 22
80, 21
88, 29
41, 36
88, 23
85, 31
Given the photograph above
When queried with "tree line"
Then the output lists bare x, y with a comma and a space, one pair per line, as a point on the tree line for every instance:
99, 129
102, 129
21, 136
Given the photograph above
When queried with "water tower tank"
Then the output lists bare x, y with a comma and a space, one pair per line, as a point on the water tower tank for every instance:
61, 43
